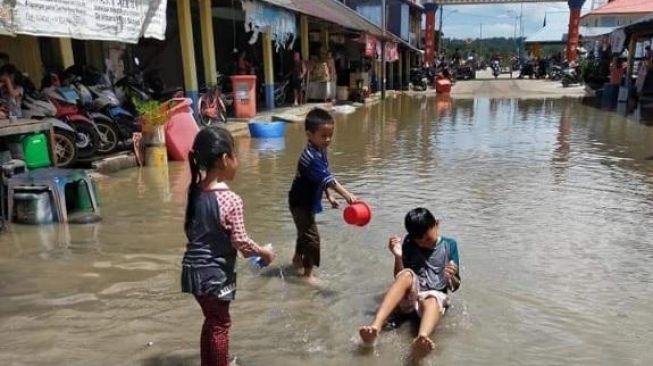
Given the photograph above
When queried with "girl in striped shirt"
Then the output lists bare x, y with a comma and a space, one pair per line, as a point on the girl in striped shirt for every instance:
215, 229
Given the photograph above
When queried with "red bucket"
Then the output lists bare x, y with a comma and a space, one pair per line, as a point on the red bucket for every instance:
358, 213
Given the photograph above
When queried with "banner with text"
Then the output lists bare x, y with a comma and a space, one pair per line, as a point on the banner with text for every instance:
107, 20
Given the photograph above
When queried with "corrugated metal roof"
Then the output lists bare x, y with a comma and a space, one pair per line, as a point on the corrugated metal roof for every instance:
332, 11
557, 33
624, 7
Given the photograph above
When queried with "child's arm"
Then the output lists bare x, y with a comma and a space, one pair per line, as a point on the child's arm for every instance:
329, 197
336, 186
395, 248
239, 238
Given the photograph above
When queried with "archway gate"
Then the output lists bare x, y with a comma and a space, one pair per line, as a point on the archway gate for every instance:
431, 7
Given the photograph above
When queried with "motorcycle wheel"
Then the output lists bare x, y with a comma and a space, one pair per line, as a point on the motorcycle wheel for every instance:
108, 137
65, 149
87, 141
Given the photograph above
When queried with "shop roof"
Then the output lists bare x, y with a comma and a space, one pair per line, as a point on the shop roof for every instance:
624, 7
332, 11
557, 33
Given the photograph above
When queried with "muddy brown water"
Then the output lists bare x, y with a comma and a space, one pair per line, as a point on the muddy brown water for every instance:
550, 201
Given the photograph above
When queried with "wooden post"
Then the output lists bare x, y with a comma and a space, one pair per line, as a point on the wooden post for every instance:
66, 49
303, 28
187, 48
208, 42
268, 69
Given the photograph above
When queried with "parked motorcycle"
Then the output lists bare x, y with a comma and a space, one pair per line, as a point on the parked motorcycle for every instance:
464, 71
37, 106
555, 72
115, 124
418, 79
212, 107
570, 75
65, 99
496, 68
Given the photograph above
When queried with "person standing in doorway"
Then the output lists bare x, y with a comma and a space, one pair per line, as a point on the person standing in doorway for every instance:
297, 78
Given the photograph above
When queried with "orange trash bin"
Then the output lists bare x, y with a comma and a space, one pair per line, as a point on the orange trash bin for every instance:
244, 87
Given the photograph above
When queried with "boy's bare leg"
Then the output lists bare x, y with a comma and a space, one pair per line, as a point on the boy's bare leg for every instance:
430, 318
393, 297
297, 261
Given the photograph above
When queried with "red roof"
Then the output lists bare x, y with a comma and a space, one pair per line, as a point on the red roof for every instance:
625, 7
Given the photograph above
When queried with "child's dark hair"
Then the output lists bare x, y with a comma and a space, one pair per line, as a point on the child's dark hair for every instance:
418, 221
210, 145
316, 118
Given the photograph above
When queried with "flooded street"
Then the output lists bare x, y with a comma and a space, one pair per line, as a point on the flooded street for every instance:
551, 203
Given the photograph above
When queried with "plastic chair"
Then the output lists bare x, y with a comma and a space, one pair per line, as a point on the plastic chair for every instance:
54, 180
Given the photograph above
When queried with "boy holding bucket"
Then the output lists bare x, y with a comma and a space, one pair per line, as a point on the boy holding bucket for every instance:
425, 269
312, 180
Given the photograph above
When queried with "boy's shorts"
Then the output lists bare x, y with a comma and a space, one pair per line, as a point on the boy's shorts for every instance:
412, 300
308, 238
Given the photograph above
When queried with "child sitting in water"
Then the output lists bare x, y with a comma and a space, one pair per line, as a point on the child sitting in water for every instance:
425, 268
313, 180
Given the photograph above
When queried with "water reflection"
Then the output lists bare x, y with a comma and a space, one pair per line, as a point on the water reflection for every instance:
550, 201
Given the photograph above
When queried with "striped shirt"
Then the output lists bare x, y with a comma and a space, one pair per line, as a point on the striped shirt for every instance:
311, 179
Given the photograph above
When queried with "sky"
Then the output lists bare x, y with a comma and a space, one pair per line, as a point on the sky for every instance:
464, 21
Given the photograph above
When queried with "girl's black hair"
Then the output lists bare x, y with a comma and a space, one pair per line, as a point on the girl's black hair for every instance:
316, 118
210, 145
418, 221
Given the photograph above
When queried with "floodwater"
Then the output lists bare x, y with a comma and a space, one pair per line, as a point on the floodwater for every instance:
551, 203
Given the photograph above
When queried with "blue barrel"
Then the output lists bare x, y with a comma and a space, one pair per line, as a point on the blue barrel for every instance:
259, 129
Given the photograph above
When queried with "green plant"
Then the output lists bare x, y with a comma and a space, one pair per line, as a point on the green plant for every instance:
150, 112
592, 73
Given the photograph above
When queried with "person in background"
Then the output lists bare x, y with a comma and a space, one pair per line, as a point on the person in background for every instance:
244, 67
10, 91
297, 78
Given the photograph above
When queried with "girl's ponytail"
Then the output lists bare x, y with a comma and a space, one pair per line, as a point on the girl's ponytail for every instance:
209, 146
193, 188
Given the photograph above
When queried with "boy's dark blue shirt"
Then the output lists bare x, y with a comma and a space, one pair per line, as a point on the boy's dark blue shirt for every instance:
311, 179
428, 264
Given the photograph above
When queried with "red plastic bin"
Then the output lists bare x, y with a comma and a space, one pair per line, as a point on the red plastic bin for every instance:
180, 128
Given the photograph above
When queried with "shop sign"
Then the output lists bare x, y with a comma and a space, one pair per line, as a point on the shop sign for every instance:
391, 52
108, 20
370, 46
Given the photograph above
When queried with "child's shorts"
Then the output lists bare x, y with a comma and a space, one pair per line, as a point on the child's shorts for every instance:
308, 238
411, 302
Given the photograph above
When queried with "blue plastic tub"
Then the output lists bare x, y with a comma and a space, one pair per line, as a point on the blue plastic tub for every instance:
258, 129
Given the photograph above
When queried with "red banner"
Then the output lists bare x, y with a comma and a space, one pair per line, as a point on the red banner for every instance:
370, 46
429, 40
391, 52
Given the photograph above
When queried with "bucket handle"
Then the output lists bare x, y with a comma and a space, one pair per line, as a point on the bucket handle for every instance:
181, 103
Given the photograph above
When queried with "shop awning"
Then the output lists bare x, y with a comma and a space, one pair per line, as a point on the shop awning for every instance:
332, 11
557, 34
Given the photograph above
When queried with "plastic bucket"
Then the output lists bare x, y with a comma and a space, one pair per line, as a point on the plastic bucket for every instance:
358, 213
259, 129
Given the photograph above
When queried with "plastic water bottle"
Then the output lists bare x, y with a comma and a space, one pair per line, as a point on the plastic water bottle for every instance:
256, 262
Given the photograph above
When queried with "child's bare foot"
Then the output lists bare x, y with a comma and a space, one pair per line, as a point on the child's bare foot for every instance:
368, 334
311, 280
422, 345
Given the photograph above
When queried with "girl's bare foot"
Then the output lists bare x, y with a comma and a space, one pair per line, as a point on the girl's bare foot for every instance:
422, 345
368, 334
311, 280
